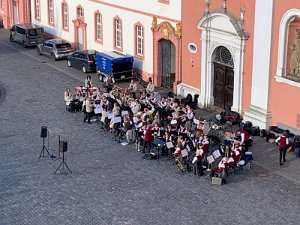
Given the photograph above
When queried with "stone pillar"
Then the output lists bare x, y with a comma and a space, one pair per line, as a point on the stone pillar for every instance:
258, 112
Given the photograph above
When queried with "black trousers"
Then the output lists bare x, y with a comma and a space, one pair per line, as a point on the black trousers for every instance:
88, 116
282, 153
147, 144
198, 169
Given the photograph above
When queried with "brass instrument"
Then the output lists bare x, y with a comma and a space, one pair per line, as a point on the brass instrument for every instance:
178, 162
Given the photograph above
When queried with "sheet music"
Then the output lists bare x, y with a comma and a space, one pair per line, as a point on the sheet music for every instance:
216, 154
184, 153
110, 115
210, 159
124, 113
118, 119
98, 109
169, 145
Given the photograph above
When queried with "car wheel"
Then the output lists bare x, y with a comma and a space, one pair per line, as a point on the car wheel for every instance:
24, 45
84, 69
53, 56
11, 38
69, 63
38, 51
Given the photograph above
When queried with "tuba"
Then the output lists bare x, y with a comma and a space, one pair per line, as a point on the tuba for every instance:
181, 166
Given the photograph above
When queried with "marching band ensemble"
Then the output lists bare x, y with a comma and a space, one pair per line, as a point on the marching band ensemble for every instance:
149, 121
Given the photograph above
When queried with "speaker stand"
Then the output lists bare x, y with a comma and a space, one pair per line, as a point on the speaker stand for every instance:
42, 154
63, 167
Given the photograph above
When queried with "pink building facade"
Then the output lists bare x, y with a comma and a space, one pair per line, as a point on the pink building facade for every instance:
14, 12
244, 54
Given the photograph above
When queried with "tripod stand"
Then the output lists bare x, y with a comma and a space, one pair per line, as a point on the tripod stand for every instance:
63, 147
42, 154
63, 166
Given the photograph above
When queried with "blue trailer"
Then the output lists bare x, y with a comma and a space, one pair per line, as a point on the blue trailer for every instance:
114, 64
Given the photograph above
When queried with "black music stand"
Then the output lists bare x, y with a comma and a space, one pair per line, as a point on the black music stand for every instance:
63, 147
44, 133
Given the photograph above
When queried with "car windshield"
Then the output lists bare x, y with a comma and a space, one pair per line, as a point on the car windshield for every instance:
64, 45
35, 32
92, 57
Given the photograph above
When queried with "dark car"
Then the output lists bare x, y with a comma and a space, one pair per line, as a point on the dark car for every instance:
27, 34
55, 48
84, 60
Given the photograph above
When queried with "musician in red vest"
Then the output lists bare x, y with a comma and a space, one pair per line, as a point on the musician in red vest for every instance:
245, 139
283, 142
148, 138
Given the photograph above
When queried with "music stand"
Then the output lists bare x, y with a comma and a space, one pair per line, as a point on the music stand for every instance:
63, 147
44, 133
210, 160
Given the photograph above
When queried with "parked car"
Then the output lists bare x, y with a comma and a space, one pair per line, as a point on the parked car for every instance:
27, 34
55, 48
84, 60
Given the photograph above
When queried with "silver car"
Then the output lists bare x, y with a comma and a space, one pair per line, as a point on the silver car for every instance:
55, 48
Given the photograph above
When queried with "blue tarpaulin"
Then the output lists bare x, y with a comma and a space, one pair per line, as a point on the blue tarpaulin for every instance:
108, 61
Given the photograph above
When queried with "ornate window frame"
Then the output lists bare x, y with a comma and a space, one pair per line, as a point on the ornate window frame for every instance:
79, 12
282, 47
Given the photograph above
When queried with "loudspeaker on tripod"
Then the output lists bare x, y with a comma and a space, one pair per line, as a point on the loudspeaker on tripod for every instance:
63, 146
43, 132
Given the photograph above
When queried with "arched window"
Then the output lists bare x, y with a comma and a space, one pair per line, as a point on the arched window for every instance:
37, 10
51, 12
118, 34
223, 56
65, 16
98, 27
79, 12
139, 40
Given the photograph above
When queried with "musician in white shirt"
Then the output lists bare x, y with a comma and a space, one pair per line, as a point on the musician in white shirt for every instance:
150, 87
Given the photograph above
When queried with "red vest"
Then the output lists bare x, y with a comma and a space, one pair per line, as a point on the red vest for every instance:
282, 142
247, 135
148, 135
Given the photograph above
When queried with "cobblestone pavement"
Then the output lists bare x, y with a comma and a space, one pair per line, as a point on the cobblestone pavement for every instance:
110, 183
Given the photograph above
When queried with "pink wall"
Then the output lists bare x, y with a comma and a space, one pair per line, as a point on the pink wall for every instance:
283, 102
6, 12
192, 12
